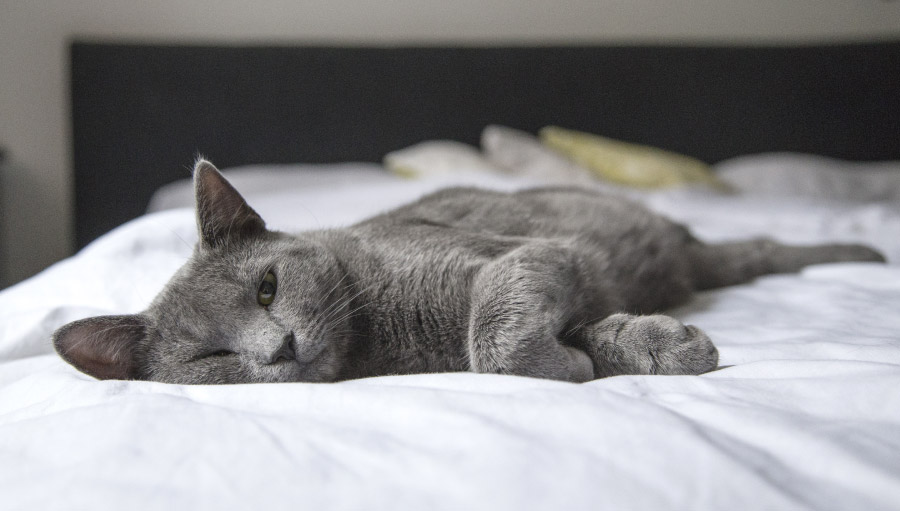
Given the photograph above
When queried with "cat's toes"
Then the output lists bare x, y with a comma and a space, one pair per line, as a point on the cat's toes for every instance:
626, 344
674, 348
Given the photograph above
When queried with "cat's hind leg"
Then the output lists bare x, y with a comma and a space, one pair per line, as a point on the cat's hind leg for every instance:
520, 304
726, 264
657, 344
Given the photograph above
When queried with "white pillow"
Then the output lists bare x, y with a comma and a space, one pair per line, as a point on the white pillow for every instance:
795, 174
523, 154
438, 158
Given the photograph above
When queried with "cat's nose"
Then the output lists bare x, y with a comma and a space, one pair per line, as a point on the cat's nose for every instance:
285, 352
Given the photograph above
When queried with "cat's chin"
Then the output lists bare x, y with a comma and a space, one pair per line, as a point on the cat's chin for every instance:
307, 377
311, 372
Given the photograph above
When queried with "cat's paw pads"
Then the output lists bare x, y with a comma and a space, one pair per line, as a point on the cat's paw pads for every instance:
673, 348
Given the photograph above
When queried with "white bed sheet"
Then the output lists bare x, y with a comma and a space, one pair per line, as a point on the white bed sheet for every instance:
807, 417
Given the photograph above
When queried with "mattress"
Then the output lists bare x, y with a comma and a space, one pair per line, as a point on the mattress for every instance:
804, 414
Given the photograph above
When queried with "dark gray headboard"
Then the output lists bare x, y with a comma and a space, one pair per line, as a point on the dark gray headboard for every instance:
141, 113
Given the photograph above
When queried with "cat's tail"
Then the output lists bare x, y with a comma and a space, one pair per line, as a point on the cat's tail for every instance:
726, 264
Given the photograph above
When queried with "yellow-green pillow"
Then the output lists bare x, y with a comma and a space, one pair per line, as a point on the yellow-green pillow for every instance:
626, 163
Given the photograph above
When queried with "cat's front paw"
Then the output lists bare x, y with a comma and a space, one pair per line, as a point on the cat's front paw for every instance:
672, 347
626, 344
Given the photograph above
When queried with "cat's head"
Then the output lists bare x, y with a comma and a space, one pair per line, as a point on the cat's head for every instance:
251, 305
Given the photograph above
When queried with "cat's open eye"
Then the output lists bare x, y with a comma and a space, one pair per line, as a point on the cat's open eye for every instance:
266, 293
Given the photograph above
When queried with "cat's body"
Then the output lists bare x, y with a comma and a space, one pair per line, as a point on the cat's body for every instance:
547, 283
419, 268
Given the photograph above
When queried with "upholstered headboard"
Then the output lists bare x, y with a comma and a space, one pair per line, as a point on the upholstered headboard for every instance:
141, 113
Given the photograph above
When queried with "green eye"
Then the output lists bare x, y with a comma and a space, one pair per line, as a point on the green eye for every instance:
266, 294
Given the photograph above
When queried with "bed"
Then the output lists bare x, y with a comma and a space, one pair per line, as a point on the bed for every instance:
804, 414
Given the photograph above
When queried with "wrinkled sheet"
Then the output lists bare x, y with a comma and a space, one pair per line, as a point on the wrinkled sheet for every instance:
807, 416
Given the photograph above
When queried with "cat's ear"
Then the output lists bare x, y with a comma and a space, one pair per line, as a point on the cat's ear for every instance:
104, 347
223, 216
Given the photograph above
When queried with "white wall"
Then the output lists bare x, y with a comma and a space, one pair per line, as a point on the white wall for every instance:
36, 199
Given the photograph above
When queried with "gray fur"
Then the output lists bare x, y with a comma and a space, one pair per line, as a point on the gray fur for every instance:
550, 283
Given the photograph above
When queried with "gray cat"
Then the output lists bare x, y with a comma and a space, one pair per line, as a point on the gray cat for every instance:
549, 283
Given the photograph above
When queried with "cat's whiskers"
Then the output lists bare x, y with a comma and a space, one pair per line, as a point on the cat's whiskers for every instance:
336, 284
347, 314
329, 326
583, 323
333, 329
336, 303
350, 314
335, 308
578, 326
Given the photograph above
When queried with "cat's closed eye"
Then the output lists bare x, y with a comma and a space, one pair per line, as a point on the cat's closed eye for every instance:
222, 353
266, 293
219, 353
